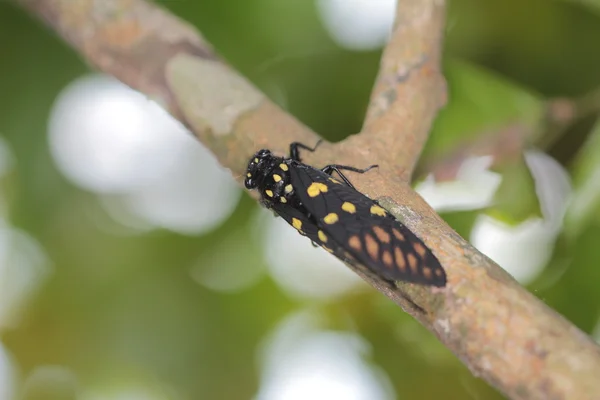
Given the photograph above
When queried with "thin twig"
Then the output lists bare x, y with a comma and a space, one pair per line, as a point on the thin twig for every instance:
562, 113
498, 329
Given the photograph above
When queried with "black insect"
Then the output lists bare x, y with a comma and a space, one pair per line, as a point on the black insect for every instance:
345, 222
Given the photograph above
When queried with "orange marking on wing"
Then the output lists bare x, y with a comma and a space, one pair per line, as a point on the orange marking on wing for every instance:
400, 262
412, 263
398, 234
372, 246
420, 249
387, 259
354, 242
381, 234
427, 273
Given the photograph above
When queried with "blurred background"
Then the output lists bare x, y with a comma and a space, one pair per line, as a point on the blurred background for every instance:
132, 266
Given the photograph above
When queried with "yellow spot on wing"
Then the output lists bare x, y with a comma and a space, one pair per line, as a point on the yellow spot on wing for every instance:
248, 174
331, 218
283, 167
289, 188
296, 223
335, 181
378, 211
256, 160
328, 249
349, 207
276, 177
269, 193
322, 236
283, 199
315, 188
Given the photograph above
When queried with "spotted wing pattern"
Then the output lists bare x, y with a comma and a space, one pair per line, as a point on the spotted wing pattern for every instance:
352, 221
307, 226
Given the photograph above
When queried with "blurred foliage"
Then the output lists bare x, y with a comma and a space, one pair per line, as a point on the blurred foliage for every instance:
517, 183
490, 102
122, 308
584, 209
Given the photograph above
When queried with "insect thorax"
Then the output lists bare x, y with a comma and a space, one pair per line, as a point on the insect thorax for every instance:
275, 183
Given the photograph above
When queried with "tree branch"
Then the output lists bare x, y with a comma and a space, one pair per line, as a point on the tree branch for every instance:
498, 329
409, 88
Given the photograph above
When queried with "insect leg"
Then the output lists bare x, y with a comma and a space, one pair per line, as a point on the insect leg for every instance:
329, 169
295, 146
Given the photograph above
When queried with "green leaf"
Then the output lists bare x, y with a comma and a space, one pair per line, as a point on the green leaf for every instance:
585, 202
516, 199
593, 5
480, 101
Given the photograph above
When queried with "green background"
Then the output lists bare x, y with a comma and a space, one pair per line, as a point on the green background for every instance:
143, 319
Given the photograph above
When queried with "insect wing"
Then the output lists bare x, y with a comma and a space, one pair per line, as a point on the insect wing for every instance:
306, 226
297, 218
365, 230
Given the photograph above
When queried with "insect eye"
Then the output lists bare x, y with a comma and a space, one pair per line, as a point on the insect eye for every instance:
263, 152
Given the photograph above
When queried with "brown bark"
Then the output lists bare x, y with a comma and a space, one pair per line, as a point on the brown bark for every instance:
498, 329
